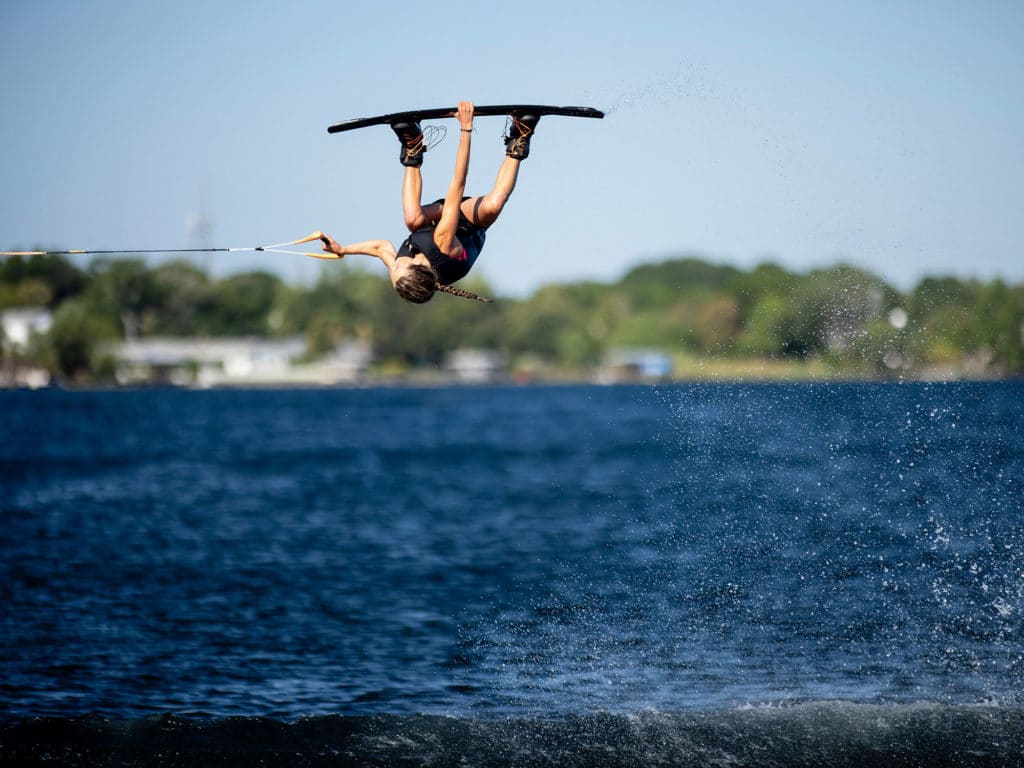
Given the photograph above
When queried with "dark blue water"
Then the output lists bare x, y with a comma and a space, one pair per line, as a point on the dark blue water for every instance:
675, 552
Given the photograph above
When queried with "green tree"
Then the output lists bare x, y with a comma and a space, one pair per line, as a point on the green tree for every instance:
76, 338
765, 332
124, 293
241, 304
830, 308
996, 325
535, 325
38, 281
766, 279
940, 321
657, 286
30, 292
185, 295
717, 323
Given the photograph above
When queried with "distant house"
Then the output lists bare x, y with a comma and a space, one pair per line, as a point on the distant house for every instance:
347, 363
17, 327
475, 366
629, 364
235, 362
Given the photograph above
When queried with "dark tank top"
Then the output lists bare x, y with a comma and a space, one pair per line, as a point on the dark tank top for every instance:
448, 269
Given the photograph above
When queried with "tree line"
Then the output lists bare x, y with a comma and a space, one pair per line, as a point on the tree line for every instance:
845, 318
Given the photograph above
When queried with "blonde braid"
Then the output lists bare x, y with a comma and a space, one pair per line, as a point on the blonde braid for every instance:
461, 293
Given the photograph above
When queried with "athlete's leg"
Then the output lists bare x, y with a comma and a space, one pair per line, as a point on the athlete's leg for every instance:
483, 211
412, 191
416, 216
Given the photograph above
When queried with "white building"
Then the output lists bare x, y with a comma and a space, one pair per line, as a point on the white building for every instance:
236, 362
475, 366
17, 327
629, 364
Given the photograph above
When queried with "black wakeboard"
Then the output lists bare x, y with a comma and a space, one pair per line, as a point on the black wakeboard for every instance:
485, 111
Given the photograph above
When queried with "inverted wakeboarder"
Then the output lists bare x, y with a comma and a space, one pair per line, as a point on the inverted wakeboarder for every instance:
447, 235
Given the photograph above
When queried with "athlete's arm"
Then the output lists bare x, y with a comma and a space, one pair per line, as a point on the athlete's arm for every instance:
444, 232
382, 249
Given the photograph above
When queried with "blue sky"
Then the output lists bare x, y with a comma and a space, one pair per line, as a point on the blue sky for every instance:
883, 134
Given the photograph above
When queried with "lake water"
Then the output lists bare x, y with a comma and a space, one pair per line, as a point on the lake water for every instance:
640, 564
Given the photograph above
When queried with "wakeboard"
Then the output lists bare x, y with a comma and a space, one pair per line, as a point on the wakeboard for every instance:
484, 111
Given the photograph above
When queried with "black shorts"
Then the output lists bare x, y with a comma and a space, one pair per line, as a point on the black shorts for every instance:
470, 235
